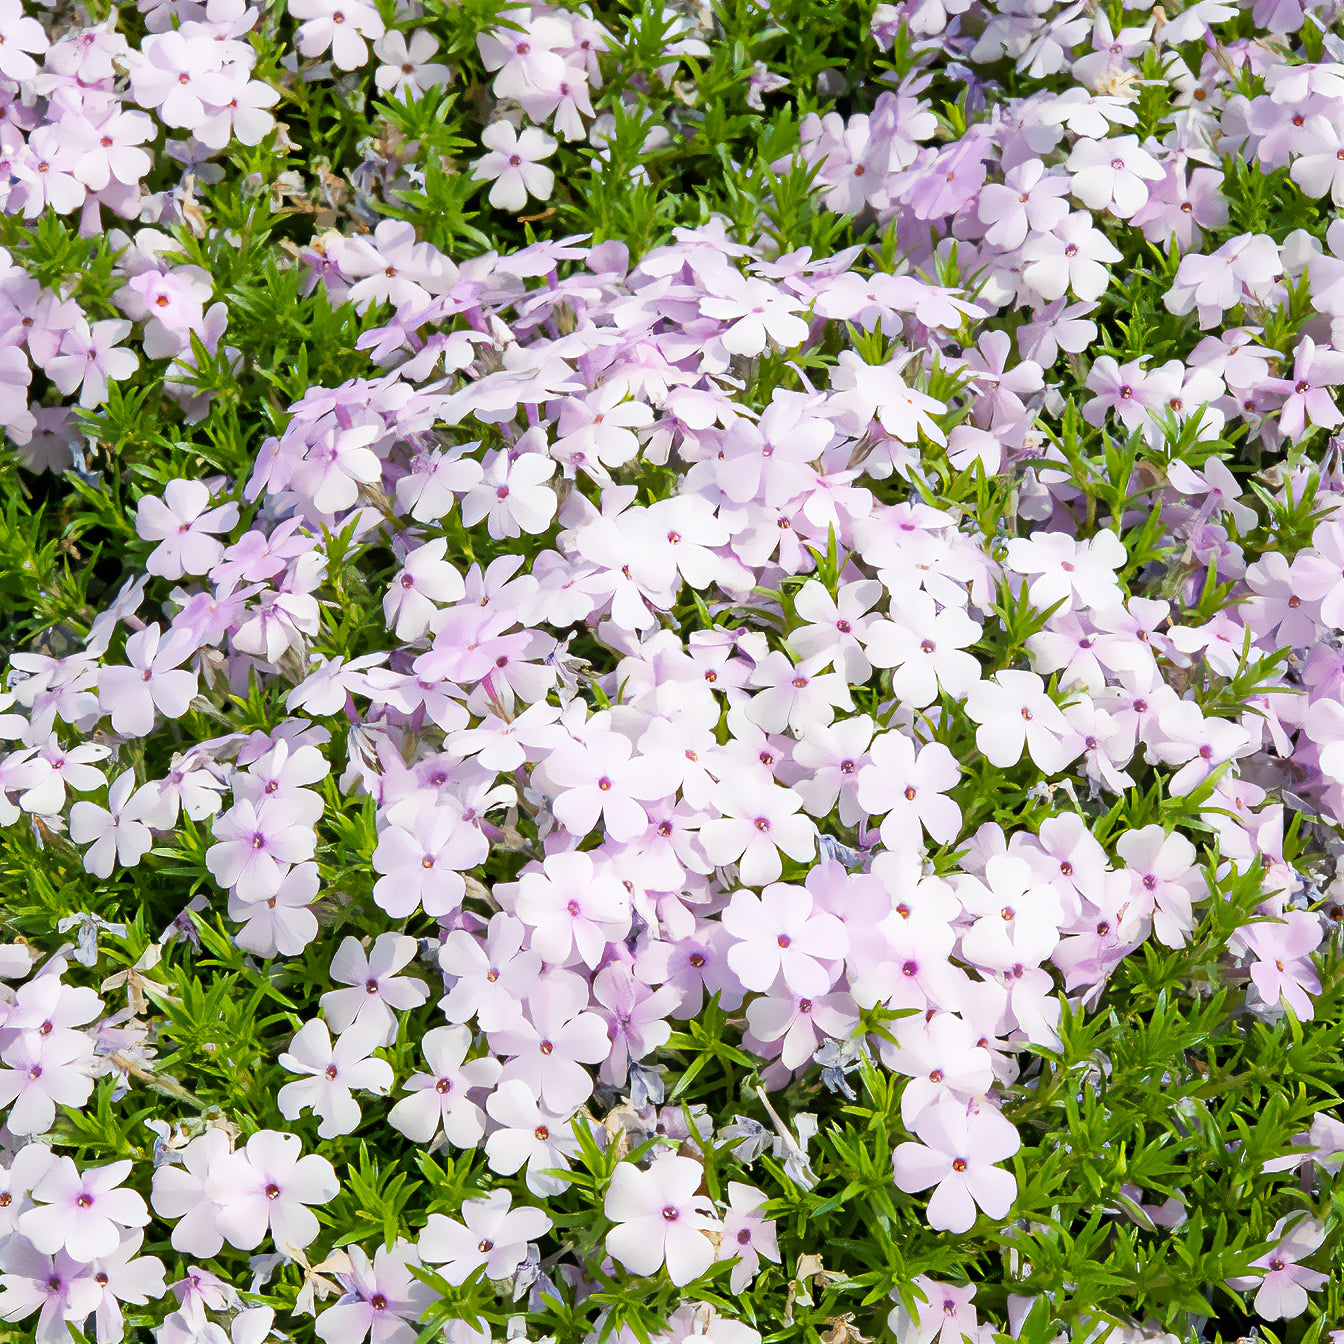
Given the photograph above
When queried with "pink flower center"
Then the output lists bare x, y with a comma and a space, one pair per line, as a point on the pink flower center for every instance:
670, 1214
85, 1201
272, 1191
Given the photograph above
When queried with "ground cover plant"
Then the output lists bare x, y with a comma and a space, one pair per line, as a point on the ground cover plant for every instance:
671, 670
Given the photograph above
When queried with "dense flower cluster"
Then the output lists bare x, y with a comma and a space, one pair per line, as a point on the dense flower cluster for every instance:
846, 665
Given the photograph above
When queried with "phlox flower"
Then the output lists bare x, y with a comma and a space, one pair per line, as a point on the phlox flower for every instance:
82, 1212
441, 1098
267, 1187
490, 980
382, 1300
757, 312
407, 72
334, 1070
909, 788
153, 681
179, 1194
925, 648
1113, 174
1015, 713
24, 39
529, 1135
944, 1314
943, 1060
492, 1236
1282, 968
511, 496
377, 993
39, 1072
798, 1022
1072, 256
549, 1048
283, 924
341, 25
514, 165
956, 1153
747, 1235
255, 844
635, 1014
1281, 1291
1060, 569
660, 1218
124, 1275
184, 526
573, 908
56, 1286
426, 582
117, 833
422, 859
758, 820
781, 933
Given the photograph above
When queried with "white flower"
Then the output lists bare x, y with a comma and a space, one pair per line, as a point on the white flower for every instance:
513, 165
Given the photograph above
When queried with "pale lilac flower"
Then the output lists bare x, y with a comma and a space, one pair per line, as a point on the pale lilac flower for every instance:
383, 1299
124, 1276
660, 1218
529, 1135
256, 844
267, 1187
58, 1287
925, 648
747, 1235
407, 71
944, 1314
283, 924
442, 1097
759, 820
152, 681
636, 1017
549, 1049
1016, 713
489, 982
82, 1212
377, 992
494, 1238
909, 788
758, 313
341, 25
513, 165
573, 908
39, 1073
426, 582
422, 860
179, 1194
334, 1071
1282, 1289
116, 833
1113, 174
1072, 256
781, 933
956, 1153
